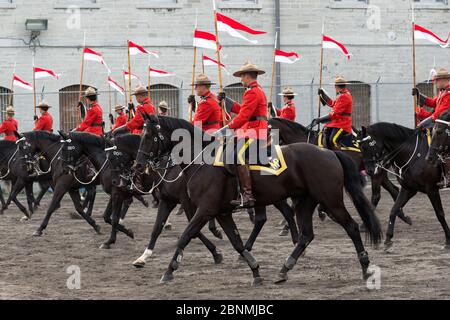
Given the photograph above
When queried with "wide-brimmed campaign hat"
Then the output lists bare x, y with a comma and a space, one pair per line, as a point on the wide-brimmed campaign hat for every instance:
90, 92
202, 80
442, 74
43, 105
139, 90
248, 67
10, 110
340, 80
164, 105
119, 108
288, 92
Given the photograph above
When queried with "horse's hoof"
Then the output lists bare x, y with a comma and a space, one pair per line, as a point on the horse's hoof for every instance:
105, 246
218, 258
388, 245
367, 274
283, 233
362, 228
97, 229
130, 233
139, 263
322, 215
168, 226
446, 247
145, 203
24, 219
408, 220
217, 234
282, 278
241, 259
257, 282
37, 233
166, 278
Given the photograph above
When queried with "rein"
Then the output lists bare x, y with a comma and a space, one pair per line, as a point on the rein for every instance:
93, 178
38, 169
9, 163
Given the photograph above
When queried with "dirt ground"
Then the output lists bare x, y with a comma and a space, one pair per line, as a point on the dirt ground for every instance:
36, 268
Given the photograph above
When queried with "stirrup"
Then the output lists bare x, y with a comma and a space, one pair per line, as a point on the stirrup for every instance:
239, 204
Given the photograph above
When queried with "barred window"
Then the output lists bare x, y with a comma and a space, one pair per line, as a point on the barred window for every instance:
68, 111
361, 94
235, 91
169, 94
5, 94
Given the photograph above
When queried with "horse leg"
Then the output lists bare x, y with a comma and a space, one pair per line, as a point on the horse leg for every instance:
107, 218
400, 202
76, 199
30, 196
44, 188
88, 205
435, 199
304, 211
260, 221
213, 228
164, 210
393, 191
15, 190
199, 220
142, 200
288, 215
2, 200
117, 198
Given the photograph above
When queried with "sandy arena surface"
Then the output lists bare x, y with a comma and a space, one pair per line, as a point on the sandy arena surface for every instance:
36, 268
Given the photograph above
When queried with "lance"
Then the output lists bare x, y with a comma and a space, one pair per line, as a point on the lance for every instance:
194, 65
203, 63
34, 85
149, 77
111, 122
414, 62
224, 113
81, 76
129, 72
124, 84
11, 92
273, 74
321, 69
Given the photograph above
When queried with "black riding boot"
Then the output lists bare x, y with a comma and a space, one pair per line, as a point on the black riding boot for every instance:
246, 199
445, 183
138, 181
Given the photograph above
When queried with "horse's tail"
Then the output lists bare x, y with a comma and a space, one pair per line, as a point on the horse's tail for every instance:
354, 186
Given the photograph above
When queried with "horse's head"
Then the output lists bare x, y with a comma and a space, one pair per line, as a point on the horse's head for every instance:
120, 162
371, 150
27, 149
71, 151
440, 142
156, 141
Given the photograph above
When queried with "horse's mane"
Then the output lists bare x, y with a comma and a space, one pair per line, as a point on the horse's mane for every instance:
292, 125
6, 146
392, 131
40, 135
173, 124
88, 138
129, 141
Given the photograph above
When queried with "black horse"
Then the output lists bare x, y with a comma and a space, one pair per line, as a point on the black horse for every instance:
121, 158
302, 181
79, 145
440, 141
12, 169
388, 143
50, 146
293, 132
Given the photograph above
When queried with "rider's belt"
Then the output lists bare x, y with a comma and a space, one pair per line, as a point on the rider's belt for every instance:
211, 123
264, 118
345, 114
97, 125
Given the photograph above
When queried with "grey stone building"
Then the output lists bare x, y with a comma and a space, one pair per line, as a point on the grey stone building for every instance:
377, 32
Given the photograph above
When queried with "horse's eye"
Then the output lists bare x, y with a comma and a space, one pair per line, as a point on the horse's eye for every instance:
155, 139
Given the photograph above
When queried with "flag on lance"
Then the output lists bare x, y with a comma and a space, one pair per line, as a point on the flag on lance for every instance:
286, 57
91, 55
329, 43
17, 82
116, 86
126, 74
207, 61
205, 40
234, 28
136, 49
154, 73
40, 73
422, 33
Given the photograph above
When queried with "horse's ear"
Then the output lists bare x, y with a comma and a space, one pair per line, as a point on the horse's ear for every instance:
63, 135
153, 119
18, 135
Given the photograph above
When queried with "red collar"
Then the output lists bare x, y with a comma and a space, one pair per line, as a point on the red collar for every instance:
207, 95
253, 85
344, 91
147, 101
290, 104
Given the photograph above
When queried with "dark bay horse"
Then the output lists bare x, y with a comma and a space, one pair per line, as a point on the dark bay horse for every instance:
50, 146
384, 143
11, 168
171, 191
303, 181
293, 132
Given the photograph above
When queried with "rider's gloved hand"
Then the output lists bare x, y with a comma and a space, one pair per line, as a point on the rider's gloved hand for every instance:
415, 92
224, 132
221, 96
191, 99
35, 118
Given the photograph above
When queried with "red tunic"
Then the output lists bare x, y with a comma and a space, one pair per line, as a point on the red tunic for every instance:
439, 103
8, 127
251, 121
136, 125
44, 123
209, 113
341, 116
422, 114
93, 121
121, 120
288, 111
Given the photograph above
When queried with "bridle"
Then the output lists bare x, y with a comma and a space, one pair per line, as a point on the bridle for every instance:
442, 150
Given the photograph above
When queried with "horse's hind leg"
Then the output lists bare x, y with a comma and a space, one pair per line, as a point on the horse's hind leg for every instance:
30, 196
2, 200
76, 199
393, 191
400, 202
107, 218
435, 199
15, 190
213, 228
260, 221
88, 205
44, 188
304, 210
288, 215
142, 200
199, 220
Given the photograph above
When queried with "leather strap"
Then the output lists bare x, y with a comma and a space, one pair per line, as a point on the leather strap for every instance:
258, 118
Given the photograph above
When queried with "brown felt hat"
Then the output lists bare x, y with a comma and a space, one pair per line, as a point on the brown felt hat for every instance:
43, 104
248, 67
288, 92
340, 80
164, 105
442, 74
202, 80
119, 108
90, 92
10, 110
139, 90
